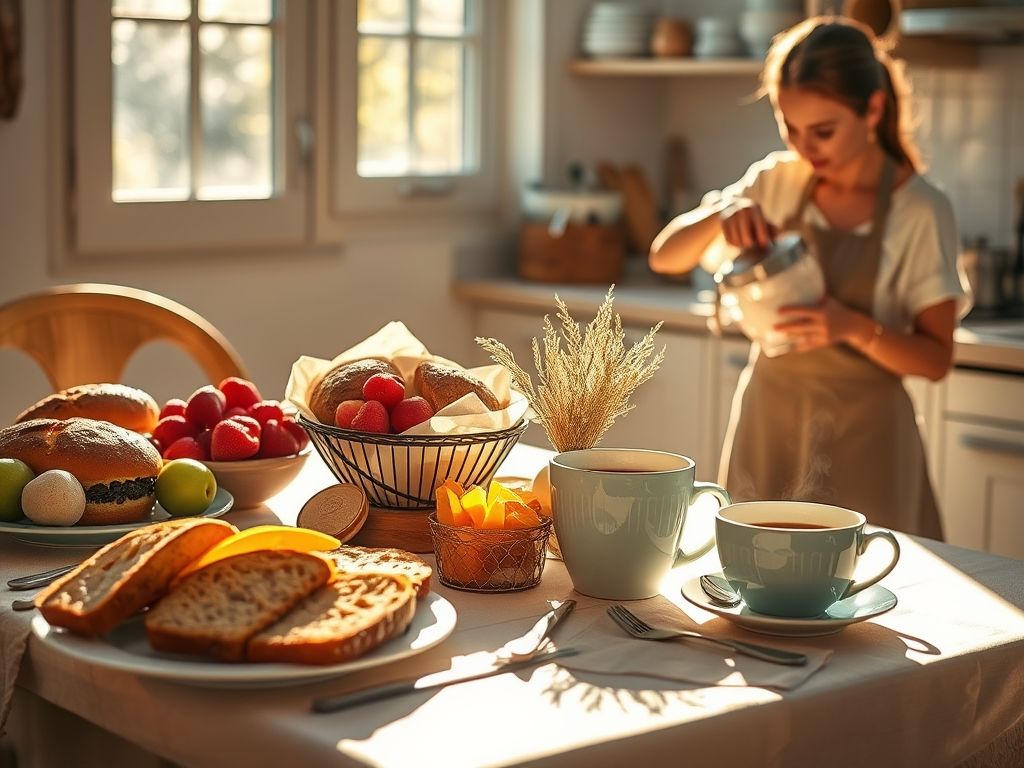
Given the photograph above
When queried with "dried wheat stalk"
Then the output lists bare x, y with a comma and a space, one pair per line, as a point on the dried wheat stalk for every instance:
585, 386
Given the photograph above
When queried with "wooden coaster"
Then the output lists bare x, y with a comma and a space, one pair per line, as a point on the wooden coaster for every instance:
339, 511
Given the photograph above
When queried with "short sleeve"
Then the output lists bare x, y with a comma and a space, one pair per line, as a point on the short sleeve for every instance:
774, 183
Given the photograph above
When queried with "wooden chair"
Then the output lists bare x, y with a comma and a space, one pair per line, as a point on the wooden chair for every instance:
87, 332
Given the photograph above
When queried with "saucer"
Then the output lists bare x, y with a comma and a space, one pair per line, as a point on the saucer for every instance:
873, 601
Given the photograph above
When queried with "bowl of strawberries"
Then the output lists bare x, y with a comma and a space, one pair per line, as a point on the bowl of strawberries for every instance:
253, 445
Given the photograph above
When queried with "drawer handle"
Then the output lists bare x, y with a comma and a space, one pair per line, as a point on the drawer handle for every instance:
991, 444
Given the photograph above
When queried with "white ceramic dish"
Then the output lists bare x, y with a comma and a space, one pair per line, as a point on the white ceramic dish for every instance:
254, 481
127, 649
601, 206
96, 535
873, 601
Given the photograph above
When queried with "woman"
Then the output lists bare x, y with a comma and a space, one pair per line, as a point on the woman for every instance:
830, 421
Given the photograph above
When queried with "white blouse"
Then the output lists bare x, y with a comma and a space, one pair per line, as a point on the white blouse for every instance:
918, 266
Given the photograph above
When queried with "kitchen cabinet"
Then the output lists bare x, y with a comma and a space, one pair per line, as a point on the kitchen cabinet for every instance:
732, 356
981, 471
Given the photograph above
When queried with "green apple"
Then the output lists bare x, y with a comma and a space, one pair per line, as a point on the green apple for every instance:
185, 487
14, 476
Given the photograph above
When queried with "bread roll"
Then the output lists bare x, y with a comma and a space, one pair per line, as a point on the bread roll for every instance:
116, 467
344, 382
121, 405
127, 575
442, 385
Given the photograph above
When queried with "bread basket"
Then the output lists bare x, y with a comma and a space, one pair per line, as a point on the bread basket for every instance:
402, 471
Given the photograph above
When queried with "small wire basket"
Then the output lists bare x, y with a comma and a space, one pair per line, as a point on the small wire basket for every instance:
402, 471
489, 559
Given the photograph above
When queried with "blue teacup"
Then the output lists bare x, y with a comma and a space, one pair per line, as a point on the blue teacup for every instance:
792, 558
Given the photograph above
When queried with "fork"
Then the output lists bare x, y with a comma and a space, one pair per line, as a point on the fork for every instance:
638, 628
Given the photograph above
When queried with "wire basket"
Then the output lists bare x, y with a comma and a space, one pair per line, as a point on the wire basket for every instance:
489, 559
402, 471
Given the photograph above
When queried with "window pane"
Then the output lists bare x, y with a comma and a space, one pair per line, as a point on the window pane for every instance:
236, 112
151, 82
252, 11
384, 17
383, 107
439, 89
153, 9
441, 17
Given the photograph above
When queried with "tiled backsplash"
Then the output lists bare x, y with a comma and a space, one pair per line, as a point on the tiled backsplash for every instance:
971, 132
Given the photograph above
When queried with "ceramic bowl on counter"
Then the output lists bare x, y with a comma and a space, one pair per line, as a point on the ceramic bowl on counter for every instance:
253, 481
580, 206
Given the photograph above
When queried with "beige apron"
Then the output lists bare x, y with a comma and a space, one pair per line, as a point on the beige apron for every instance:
829, 425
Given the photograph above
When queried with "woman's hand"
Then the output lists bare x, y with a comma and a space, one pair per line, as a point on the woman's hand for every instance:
744, 225
823, 324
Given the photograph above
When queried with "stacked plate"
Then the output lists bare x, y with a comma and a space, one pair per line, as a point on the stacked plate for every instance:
717, 38
617, 29
764, 19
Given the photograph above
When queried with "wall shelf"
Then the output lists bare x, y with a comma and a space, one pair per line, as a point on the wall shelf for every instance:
647, 67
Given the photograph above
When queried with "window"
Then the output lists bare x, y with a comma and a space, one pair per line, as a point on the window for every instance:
193, 121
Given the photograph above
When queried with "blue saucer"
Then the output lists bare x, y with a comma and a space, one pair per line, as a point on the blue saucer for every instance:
873, 601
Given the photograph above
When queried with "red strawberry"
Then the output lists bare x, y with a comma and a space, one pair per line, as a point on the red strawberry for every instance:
185, 448
232, 442
265, 410
205, 407
240, 393
372, 417
346, 410
387, 389
170, 428
296, 431
409, 413
204, 438
156, 444
252, 426
234, 411
173, 407
277, 441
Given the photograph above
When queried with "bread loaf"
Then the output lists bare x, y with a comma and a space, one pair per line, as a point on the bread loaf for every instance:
124, 406
344, 382
127, 575
215, 611
442, 385
117, 467
339, 622
385, 560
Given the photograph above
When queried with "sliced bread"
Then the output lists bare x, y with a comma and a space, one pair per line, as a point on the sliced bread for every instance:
214, 611
339, 622
385, 560
127, 575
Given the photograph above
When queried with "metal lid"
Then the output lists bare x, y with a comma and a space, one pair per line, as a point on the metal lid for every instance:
754, 264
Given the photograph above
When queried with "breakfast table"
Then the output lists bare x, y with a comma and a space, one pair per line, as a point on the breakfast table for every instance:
936, 681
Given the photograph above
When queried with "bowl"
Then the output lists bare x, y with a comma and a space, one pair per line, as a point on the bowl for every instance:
489, 559
583, 206
402, 471
253, 481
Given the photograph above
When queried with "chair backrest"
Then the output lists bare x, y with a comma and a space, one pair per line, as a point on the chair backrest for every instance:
87, 333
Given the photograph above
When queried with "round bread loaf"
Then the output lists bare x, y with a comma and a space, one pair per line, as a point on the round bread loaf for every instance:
116, 467
344, 382
442, 385
124, 406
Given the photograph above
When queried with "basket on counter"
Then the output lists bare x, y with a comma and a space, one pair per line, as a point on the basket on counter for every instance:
489, 559
402, 471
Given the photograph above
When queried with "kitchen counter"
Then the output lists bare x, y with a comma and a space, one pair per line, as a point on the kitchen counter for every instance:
643, 298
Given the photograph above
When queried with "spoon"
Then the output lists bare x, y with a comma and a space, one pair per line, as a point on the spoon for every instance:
719, 591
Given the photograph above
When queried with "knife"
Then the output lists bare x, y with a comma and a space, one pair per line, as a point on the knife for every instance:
519, 653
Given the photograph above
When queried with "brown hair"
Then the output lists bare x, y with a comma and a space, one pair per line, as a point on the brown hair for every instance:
842, 60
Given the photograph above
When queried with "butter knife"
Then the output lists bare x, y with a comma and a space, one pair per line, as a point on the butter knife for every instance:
519, 653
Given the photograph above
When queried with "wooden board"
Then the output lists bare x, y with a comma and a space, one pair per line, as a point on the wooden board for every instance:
404, 529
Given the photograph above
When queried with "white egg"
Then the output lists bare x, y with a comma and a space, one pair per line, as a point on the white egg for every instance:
53, 498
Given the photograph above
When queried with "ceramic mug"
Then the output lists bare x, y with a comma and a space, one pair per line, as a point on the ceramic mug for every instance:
619, 516
793, 558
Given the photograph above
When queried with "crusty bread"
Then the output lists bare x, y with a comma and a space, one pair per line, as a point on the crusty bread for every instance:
385, 560
442, 385
124, 406
127, 575
339, 622
344, 382
215, 611
117, 467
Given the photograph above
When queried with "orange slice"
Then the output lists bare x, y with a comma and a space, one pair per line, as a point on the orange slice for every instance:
498, 492
263, 537
495, 515
519, 515
453, 486
449, 508
474, 502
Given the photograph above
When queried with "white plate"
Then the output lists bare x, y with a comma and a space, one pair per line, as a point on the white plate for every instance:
873, 601
96, 535
127, 649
